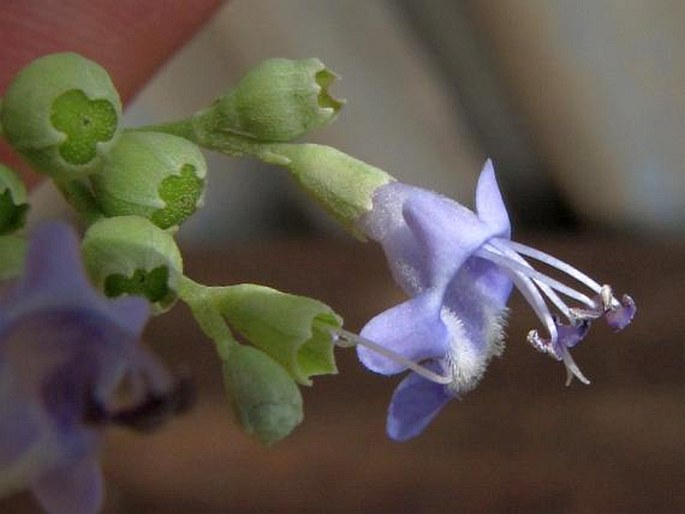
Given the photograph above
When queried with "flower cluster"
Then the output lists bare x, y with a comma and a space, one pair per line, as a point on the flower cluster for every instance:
72, 312
70, 321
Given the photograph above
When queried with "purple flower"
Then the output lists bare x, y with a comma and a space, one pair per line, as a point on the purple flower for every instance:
459, 267
64, 352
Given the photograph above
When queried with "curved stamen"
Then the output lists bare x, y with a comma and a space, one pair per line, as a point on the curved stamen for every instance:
572, 368
555, 263
548, 291
155, 375
146, 414
535, 300
506, 261
346, 339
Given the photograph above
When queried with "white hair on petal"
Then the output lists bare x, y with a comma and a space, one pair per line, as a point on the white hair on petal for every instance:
465, 363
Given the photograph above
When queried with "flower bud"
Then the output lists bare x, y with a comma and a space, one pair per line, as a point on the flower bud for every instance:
293, 330
279, 100
267, 402
130, 255
13, 206
344, 186
157, 176
61, 113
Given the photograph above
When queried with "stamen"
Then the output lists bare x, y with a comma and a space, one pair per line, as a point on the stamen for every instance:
157, 408
535, 300
346, 339
620, 317
146, 415
555, 263
540, 344
607, 296
572, 368
505, 261
548, 291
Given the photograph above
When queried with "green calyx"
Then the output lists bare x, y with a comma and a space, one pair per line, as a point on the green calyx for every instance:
129, 255
280, 100
294, 330
154, 175
152, 284
61, 113
85, 123
342, 185
266, 400
13, 204
181, 194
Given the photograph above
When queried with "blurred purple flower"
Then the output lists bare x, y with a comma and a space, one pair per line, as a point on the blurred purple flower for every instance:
459, 267
64, 351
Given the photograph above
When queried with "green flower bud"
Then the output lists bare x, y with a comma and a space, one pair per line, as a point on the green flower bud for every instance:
279, 100
293, 330
267, 402
130, 255
12, 252
344, 186
158, 176
61, 113
13, 206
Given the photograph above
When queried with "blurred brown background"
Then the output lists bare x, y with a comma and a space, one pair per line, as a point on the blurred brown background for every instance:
582, 105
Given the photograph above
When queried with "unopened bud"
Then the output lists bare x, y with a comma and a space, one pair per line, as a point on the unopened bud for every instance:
267, 402
280, 100
294, 330
157, 176
130, 255
61, 113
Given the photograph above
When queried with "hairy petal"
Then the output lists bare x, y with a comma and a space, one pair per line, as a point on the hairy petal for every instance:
414, 404
446, 232
412, 329
386, 224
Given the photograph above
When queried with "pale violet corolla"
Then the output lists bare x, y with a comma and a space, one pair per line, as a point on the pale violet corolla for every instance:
459, 268
64, 352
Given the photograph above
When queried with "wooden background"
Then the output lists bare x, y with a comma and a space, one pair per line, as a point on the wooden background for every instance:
521, 442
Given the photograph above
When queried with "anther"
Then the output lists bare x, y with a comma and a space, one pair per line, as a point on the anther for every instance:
147, 415
607, 296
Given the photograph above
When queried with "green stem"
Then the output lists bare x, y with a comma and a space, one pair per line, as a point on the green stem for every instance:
201, 303
80, 197
204, 129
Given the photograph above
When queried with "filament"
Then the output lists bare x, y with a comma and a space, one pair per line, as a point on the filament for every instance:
347, 339
556, 263
506, 261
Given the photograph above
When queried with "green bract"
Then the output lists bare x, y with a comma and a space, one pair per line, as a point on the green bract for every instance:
279, 100
158, 176
265, 399
130, 255
61, 113
294, 330
343, 185
13, 206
